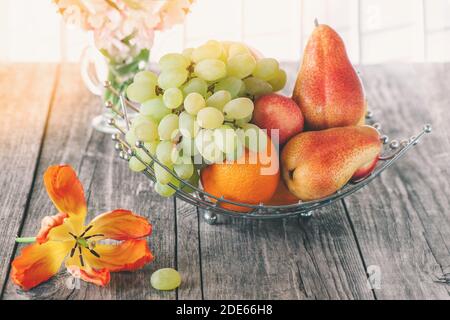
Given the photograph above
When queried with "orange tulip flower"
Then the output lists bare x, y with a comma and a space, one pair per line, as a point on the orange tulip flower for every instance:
65, 237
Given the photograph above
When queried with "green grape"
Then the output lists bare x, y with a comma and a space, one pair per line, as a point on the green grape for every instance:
173, 60
238, 108
238, 151
243, 91
266, 69
194, 102
177, 154
188, 53
139, 162
165, 191
173, 98
143, 155
219, 99
255, 139
179, 157
225, 138
145, 129
210, 50
145, 76
165, 279
195, 85
231, 84
257, 87
140, 117
193, 180
207, 148
164, 152
237, 48
184, 170
187, 125
130, 138
210, 118
175, 181
241, 65
243, 121
172, 78
151, 148
161, 174
168, 127
211, 69
141, 91
188, 146
136, 165
155, 109
279, 81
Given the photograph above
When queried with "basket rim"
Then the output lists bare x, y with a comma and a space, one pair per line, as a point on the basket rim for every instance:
262, 210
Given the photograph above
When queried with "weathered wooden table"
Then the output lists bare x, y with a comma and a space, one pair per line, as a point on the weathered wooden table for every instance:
398, 226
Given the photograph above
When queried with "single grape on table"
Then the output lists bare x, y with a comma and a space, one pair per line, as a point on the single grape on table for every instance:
165, 279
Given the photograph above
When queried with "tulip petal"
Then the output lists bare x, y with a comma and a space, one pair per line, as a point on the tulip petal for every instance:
85, 271
99, 277
120, 225
38, 263
126, 256
66, 191
49, 223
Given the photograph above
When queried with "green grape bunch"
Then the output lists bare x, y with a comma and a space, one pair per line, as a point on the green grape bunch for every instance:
198, 109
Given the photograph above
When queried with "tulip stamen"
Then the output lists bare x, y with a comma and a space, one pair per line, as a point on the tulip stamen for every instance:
81, 256
86, 230
72, 251
94, 253
82, 242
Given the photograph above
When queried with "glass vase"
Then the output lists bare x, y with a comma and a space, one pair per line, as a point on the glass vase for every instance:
97, 67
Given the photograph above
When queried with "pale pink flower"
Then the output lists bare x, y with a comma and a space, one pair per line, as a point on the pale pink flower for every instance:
111, 21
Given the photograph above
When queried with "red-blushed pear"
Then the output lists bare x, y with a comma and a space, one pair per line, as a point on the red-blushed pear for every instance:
328, 89
316, 164
274, 111
365, 170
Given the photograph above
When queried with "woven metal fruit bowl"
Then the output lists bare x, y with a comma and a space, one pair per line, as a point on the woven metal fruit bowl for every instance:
392, 151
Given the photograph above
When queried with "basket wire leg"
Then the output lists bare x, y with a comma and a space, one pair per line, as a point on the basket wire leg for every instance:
209, 217
306, 215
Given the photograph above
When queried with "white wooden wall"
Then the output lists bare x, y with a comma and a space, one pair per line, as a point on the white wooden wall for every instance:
375, 31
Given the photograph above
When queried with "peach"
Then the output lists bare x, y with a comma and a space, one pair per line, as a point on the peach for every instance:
274, 111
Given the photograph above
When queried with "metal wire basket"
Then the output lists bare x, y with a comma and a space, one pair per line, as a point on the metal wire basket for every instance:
392, 151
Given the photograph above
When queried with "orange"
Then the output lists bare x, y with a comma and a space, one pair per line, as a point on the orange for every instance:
245, 181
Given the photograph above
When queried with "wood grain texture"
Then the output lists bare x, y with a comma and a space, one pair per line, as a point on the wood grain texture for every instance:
25, 91
108, 185
402, 219
188, 251
287, 259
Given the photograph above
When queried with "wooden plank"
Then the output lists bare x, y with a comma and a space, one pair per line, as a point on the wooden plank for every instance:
188, 251
108, 183
283, 259
402, 220
26, 92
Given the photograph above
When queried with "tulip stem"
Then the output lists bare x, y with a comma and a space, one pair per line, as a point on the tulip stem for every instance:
26, 240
